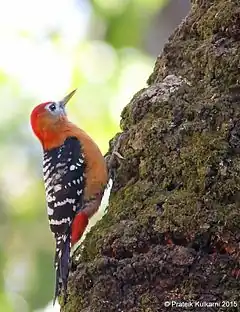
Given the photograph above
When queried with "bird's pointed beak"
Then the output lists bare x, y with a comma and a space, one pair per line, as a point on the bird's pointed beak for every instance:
66, 99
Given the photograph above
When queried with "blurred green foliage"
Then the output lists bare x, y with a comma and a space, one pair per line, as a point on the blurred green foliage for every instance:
104, 57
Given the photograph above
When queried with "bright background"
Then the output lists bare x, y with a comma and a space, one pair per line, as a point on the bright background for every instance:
106, 49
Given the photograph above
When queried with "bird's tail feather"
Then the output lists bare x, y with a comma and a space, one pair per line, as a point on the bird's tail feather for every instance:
62, 258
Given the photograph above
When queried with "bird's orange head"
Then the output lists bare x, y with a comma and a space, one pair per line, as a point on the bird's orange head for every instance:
48, 118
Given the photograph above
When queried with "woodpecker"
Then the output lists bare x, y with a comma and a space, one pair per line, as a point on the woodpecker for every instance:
75, 176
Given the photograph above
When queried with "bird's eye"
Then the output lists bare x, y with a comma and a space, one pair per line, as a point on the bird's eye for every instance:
52, 107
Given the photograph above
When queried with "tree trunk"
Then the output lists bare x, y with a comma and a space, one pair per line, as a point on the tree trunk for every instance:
171, 232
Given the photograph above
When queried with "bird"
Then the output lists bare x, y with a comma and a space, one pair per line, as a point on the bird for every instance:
75, 177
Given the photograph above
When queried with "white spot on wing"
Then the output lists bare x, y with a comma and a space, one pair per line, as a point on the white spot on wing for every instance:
64, 202
50, 198
79, 192
47, 183
45, 161
57, 187
59, 222
60, 165
50, 211
45, 168
47, 173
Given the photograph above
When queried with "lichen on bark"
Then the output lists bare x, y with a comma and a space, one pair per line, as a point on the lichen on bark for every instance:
172, 227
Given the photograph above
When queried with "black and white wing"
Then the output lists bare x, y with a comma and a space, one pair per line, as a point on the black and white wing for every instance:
63, 169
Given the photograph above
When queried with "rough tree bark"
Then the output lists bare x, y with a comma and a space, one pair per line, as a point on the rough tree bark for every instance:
172, 227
